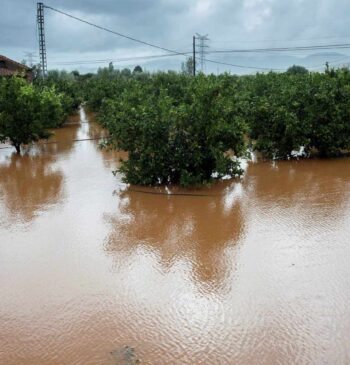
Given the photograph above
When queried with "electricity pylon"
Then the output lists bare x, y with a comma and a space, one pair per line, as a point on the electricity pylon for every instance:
202, 49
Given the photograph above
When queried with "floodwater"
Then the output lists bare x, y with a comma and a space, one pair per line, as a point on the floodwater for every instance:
252, 271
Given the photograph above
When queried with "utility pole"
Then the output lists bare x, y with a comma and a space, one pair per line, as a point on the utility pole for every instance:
202, 48
30, 57
194, 56
42, 45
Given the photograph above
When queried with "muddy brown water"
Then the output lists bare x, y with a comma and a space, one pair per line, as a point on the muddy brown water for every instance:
256, 271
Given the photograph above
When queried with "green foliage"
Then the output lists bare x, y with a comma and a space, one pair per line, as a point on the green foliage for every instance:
69, 85
328, 113
52, 112
187, 66
184, 130
177, 128
277, 105
107, 83
297, 70
290, 111
26, 112
20, 120
137, 69
172, 137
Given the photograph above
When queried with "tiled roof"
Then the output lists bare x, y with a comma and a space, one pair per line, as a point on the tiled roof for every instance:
19, 65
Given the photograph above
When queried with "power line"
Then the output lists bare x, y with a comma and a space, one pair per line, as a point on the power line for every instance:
114, 60
339, 61
241, 66
257, 50
143, 42
67, 63
282, 40
114, 32
273, 69
286, 49
87, 62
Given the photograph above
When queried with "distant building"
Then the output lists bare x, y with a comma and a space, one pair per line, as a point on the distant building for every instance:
10, 67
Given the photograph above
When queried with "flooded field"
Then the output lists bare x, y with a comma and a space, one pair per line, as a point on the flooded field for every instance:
253, 271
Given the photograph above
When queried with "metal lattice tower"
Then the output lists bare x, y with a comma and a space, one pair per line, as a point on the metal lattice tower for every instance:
30, 57
202, 49
42, 45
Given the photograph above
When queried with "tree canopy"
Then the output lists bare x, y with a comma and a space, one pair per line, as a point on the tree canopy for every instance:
137, 69
297, 70
26, 112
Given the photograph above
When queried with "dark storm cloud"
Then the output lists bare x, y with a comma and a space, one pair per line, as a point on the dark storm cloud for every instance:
171, 23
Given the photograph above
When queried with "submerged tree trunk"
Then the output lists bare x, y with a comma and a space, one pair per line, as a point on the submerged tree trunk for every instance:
18, 148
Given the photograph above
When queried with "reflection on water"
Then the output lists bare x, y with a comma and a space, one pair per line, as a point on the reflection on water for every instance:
29, 183
199, 230
252, 271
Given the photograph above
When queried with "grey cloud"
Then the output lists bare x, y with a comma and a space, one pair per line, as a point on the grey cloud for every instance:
171, 23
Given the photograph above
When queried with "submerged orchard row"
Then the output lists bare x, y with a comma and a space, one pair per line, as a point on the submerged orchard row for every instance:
180, 129
184, 130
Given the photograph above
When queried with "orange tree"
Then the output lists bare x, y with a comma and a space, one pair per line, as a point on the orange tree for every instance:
26, 112
176, 134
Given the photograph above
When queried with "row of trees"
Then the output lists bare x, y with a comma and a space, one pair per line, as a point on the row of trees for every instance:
180, 129
184, 130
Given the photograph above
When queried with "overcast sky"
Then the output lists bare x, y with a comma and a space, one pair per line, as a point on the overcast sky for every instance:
230, 24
